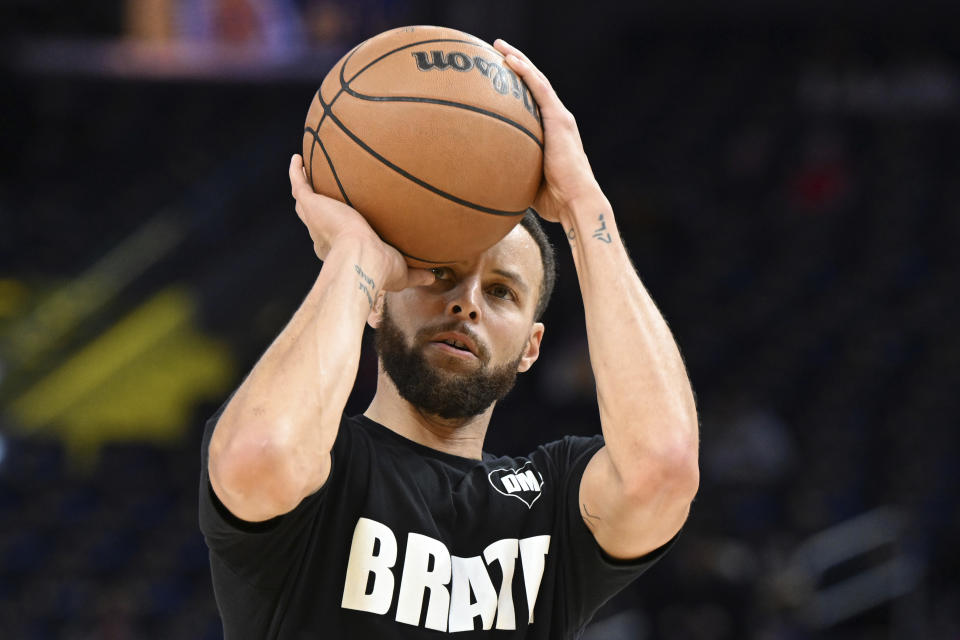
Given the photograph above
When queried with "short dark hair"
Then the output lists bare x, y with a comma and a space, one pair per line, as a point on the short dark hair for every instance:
531, 222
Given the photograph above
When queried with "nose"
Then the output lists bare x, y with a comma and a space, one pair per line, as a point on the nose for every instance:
465, 300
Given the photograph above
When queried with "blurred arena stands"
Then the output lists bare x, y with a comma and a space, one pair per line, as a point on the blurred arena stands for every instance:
787, 180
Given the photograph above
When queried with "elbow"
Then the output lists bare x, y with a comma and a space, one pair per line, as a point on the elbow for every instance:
681, 462
688, 476
686, 465
255, 478
680, 475
673, 473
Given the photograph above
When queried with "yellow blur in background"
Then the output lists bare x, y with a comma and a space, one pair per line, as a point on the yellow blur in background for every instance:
138, 380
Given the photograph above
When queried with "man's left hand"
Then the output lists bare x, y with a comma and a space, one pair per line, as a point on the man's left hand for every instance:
567, 176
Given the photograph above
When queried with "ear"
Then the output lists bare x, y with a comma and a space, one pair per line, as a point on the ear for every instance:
376, 312
532, 350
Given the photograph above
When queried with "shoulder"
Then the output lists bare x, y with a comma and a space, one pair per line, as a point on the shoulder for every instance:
568, 453
551, 457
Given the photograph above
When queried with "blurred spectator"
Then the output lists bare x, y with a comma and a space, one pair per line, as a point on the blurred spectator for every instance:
275, 26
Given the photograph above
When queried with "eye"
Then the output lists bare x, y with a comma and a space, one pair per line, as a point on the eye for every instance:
440, 273
501, 291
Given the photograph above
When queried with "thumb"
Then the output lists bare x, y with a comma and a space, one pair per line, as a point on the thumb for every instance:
420, 277
298, 176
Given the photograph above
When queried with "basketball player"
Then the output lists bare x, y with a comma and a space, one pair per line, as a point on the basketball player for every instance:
396, 523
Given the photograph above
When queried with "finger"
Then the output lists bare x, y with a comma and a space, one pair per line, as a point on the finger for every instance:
298, 180
506, 48
538, 84
420, 277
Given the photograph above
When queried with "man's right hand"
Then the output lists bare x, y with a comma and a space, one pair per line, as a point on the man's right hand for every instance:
271, 446
330, 221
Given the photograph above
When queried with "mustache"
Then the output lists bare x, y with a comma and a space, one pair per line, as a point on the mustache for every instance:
423, 335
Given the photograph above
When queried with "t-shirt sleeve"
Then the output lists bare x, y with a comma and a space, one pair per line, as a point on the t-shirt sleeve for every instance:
258, 553
588, 576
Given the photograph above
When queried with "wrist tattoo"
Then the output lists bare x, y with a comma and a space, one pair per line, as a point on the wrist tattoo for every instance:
571, 235
366, 284
601, 233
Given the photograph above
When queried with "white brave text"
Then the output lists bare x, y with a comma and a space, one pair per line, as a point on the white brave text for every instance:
459, 589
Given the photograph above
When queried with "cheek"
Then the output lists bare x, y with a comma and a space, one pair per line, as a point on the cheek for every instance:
397, 311
409, 305
514, 340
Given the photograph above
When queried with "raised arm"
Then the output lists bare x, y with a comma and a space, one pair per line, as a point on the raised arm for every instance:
636, 491
271, 447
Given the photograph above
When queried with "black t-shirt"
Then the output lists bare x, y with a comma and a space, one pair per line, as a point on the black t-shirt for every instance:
404, 541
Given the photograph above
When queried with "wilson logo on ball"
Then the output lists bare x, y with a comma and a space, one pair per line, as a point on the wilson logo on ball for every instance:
501, 78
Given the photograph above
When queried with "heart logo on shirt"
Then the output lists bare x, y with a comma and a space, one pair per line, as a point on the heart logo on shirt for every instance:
524, 483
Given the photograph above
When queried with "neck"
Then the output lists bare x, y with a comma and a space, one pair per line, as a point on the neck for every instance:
459, 436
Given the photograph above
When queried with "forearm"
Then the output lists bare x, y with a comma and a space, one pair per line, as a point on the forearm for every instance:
280, 425
646, 403
636, 490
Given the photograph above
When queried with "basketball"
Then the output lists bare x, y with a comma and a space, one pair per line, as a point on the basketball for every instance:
431, 137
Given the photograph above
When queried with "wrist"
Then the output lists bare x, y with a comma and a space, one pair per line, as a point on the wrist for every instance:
364, 251
583, 212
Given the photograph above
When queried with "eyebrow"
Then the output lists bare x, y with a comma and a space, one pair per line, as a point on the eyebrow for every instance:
514, 277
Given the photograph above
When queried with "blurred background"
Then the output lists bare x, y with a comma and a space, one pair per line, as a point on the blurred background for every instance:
784, 172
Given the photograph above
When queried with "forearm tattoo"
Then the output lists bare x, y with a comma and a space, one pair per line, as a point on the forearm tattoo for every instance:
366, 284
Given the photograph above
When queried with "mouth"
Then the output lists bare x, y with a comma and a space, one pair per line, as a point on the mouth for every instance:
456, 344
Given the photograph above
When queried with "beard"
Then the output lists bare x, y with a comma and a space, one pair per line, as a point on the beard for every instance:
439, 392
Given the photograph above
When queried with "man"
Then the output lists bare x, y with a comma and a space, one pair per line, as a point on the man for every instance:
395, 524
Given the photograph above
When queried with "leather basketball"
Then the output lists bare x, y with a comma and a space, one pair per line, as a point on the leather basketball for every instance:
431, 137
